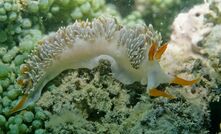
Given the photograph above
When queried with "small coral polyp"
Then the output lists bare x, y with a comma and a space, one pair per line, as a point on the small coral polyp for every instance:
134, 54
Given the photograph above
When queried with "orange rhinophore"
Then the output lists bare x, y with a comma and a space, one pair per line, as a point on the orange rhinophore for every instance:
160, 51
152, 51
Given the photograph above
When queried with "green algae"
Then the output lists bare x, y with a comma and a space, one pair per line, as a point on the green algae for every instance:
3, 36
91, 101
2, 120
28, 116
4, 71
214, 16
10, 55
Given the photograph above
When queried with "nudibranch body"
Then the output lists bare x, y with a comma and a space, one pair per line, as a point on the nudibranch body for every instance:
132, 52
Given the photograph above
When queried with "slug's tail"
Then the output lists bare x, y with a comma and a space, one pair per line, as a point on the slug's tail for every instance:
20, 104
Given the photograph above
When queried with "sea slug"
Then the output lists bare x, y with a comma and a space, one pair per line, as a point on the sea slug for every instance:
134, 54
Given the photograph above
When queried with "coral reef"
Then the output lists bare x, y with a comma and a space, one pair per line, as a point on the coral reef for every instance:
212, 51
60, 12
162, 13
91, 101
11, 22
198, 43
23, 24
214, 16
159, 13
188, 30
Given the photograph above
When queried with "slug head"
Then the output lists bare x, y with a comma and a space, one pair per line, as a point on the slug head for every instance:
156, 75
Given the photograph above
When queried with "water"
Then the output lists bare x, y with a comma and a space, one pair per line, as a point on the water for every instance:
110, 96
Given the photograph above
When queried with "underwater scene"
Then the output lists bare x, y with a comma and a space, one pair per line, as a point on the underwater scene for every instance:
110, 66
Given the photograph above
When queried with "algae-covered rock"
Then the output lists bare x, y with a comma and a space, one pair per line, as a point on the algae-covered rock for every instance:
203, 50
211, 43
91, 101
214, 16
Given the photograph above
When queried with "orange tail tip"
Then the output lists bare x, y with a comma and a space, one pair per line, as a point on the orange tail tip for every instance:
183, 82
20, 104
156, 93
152, 51
160, 51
